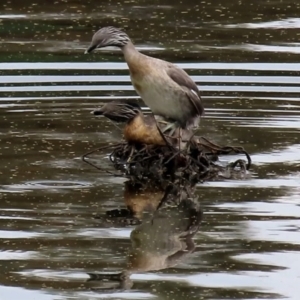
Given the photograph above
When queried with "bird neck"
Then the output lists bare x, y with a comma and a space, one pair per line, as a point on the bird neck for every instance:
130, 53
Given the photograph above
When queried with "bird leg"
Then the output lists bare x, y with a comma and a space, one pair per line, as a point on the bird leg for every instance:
171, 126
180, 138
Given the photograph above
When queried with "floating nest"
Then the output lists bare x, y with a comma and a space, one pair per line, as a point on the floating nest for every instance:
198, 162
152, 151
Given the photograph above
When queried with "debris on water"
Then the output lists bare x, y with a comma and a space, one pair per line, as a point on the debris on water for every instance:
196, 163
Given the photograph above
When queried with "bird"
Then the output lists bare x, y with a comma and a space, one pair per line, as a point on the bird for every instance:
140, 128
164, 87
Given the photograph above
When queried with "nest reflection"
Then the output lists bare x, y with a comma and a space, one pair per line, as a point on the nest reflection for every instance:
167, 222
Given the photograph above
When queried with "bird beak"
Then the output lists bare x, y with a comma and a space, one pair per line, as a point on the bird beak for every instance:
97, 112
90, 49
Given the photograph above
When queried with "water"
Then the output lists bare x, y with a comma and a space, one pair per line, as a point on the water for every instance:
244, 57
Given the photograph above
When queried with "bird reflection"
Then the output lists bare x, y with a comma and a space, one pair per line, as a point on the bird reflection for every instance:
167, 221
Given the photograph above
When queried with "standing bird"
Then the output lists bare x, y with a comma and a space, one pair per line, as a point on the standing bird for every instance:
164, 87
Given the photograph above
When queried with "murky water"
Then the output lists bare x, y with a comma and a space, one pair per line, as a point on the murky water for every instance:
244, 57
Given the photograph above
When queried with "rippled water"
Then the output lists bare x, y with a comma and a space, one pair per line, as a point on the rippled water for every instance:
244, 57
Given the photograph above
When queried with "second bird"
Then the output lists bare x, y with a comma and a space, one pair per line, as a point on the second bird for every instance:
164, 87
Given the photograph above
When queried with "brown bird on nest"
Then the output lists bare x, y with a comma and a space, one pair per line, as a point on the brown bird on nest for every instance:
140, 128
164, 87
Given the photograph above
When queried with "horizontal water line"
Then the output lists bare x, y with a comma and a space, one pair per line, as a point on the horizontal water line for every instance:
78, 88
215, 113
126, 78
295, 67
110, 98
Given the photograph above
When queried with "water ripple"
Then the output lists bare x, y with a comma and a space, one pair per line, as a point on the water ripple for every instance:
289, 23
123, 66
47, 185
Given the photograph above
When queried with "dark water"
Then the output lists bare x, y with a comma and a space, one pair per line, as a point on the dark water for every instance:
244, 57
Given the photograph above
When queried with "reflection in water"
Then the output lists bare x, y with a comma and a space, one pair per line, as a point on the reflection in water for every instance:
168, 221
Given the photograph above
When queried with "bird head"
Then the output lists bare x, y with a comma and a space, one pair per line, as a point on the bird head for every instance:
119, 111
108, 36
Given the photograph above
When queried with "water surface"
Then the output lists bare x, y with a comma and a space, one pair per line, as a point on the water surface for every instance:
244, 57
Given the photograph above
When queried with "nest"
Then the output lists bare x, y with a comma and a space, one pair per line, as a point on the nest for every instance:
197, 162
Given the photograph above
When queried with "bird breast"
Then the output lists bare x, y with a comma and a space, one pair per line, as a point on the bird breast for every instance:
160, 93
137, 131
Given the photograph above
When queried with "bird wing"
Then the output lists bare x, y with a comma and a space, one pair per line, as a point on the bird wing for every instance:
188, 85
